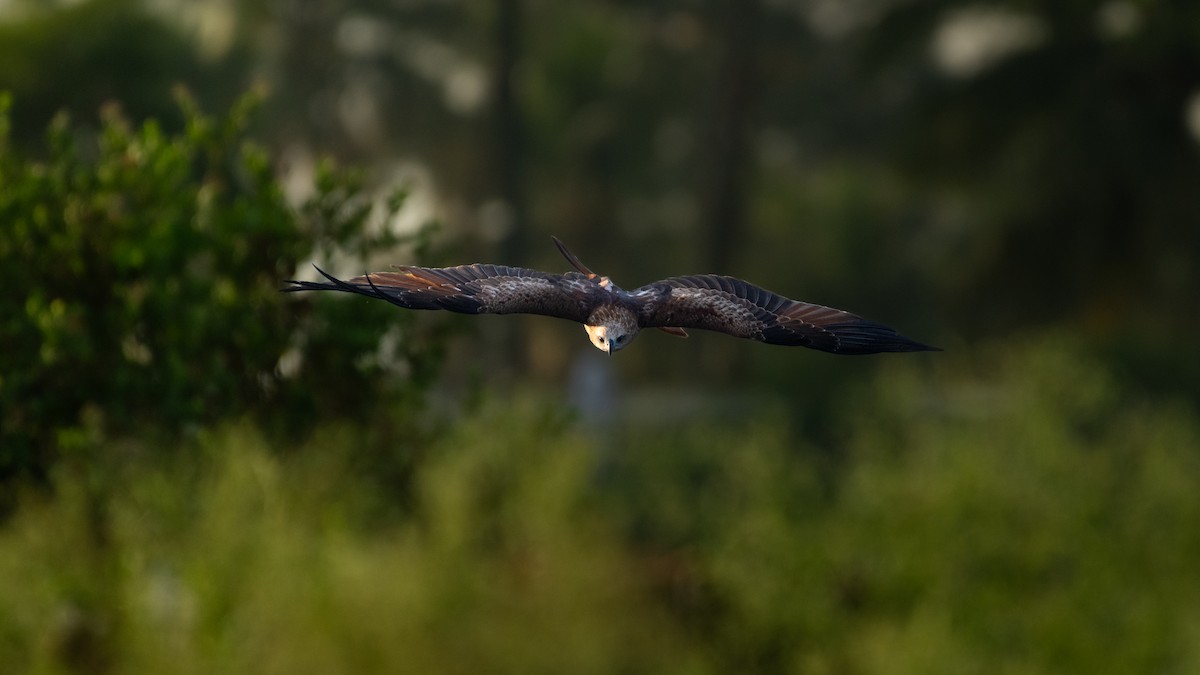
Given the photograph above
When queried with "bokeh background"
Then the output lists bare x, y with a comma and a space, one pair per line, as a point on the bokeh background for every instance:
200, 474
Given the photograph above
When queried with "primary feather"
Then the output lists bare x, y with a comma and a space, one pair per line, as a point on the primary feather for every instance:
739, 308
469, 289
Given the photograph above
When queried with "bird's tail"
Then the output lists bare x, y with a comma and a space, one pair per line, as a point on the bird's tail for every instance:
571, 258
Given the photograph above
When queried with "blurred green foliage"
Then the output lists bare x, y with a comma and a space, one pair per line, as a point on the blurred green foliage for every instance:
75, 56
144, 270
199, 474
1010, 511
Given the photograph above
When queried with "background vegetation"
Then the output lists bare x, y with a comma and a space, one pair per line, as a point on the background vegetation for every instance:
200, 474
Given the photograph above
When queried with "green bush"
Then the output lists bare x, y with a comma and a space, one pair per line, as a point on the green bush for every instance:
1011, 512
142, 271
238, 561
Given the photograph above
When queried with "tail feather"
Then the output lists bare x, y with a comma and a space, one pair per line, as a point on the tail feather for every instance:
571, 258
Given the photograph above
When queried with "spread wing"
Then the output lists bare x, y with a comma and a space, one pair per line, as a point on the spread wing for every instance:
741, 309
471, 289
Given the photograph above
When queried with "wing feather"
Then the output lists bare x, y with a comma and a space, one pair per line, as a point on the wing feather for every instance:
739, 308
471, 289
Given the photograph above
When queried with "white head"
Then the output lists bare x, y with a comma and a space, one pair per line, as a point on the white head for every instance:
611, 337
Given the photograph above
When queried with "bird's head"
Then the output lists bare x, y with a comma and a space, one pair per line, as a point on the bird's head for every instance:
612, 336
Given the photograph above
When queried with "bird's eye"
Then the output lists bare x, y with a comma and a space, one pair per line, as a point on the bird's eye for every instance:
601, 340
620, 338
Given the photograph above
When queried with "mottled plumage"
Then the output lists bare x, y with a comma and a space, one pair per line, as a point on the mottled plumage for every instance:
613, 317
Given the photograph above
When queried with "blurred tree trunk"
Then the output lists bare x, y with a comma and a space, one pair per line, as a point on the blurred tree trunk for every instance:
507, 163
730, 140
724, 199
508, 132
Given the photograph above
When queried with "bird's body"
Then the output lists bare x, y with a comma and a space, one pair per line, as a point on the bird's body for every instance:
613, 316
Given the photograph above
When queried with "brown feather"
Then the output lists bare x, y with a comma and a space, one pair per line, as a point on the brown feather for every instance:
739, 308
474, 289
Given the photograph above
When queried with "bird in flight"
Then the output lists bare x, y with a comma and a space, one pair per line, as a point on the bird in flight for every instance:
613, 316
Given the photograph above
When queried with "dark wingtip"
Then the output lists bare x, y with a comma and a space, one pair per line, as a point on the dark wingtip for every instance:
919, 346
334, 284
887, 340
899, 343
903, 344
869, 337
